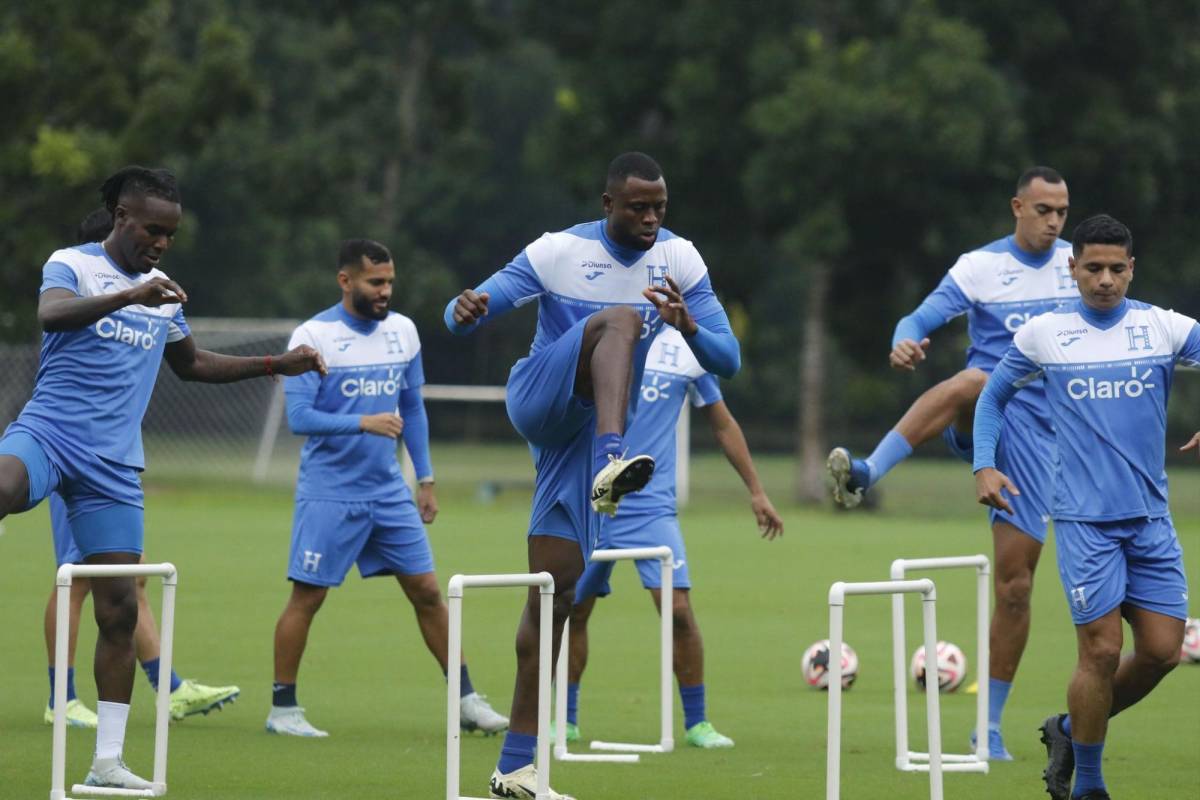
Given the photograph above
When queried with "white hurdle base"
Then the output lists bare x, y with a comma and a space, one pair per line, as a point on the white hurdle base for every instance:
162, 714
625, 752
907, 760
454, 600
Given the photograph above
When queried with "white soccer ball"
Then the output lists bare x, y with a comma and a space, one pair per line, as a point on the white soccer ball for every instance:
951, 666
815, 665
1191, 641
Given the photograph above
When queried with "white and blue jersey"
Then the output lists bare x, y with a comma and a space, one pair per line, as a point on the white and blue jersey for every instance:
1107, 376
352, 503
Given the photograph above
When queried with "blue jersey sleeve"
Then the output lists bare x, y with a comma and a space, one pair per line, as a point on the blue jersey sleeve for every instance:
713, 343
1013, 372
304, 419
416, 431
414, 373
943, 304
1189, 354
513, 286
705, 391
178, 329
57, 275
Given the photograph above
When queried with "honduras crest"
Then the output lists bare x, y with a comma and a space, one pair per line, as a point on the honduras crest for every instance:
656, 275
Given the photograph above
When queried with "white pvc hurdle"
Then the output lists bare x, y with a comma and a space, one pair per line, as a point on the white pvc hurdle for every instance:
625, 752
837, 601
454, 600
906, 759
58, 767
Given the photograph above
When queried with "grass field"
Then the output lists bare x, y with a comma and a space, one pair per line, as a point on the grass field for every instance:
368, 679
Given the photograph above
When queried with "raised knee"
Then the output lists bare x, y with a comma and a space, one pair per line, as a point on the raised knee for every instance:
622, 320
968, 384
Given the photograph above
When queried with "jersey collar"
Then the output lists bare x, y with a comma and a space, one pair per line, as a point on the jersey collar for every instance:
1027, 257
363, 326
1102, 319
627, 256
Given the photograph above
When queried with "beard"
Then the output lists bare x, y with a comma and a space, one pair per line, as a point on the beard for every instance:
366, 308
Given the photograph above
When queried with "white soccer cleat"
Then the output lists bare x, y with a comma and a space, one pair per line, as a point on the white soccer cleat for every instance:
619, 477
839, 468
476, 714
290, 721
111, 773
520, 784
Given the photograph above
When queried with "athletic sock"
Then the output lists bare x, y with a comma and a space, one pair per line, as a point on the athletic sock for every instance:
464, 681
890, 451
603, 446
1087, 768
70, 685
1064, 724
151, 669
573, 703
693, 705
997, 696
283, 694
110, 728
517, 752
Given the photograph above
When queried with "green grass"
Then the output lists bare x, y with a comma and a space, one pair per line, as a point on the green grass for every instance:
368, 679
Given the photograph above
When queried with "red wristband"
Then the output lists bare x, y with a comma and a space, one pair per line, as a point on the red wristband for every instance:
270, 373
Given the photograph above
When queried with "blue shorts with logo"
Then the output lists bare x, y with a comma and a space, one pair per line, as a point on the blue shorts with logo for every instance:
384, 537
560, 428
103, 500
1104, 565
637, 530
1025, 453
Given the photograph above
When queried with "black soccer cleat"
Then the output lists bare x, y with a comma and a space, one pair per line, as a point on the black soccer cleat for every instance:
1060, 759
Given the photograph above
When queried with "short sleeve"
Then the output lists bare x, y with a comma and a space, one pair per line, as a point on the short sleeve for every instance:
57, 275
705, 390
963, 274
177, 328
1185, 339
1025, 341
309, 382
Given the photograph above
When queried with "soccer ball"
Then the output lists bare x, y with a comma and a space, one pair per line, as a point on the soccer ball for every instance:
1191, 641
951, 666
815, 665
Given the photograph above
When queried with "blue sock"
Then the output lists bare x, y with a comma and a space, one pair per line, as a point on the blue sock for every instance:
997, 696
283, 694
1087, 768
517, 752
573, 703
693, 705
70, 685
464, 681
1065, 724
890, 451
604, 445
151, 669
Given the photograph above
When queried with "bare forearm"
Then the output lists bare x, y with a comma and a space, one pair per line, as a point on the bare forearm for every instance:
72, 313
733, 444
209, 367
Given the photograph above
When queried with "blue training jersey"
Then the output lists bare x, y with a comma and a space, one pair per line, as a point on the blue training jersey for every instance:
372, 365
672, 376
1107, 377
94, 383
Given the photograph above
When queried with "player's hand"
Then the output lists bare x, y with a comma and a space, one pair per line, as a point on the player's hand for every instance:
1193, 444
770, 524
299, 361
907, 354
427, 502
156, 292
990, 485
671, 306
386, 424
471, 307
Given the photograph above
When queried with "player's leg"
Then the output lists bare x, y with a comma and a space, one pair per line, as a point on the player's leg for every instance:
1157, 639
688, 660
947, 408
577, 646
1090, 697
14, 485
291, 639
78, 714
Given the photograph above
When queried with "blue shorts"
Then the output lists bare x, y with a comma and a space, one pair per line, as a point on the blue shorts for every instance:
65, 549
384, 537
560, 428
103, 500
623, 532
1106, 564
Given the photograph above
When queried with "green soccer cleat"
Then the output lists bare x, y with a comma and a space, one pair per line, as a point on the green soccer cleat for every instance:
196, 698
78, 715
704, 735
572, 732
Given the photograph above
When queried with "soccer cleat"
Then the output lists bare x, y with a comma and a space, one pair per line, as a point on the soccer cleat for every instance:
573, 734
1060, 758
520, 784
290, 721
196, 698
78, 715
1095, 794
475, 714
111, 773
841, 469
996, 749
618, 478
703, 734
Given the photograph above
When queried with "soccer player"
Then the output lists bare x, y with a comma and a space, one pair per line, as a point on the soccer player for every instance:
187, 696
604, 290
999, 287
649, 519
109, 317
352, 504
1107, 364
